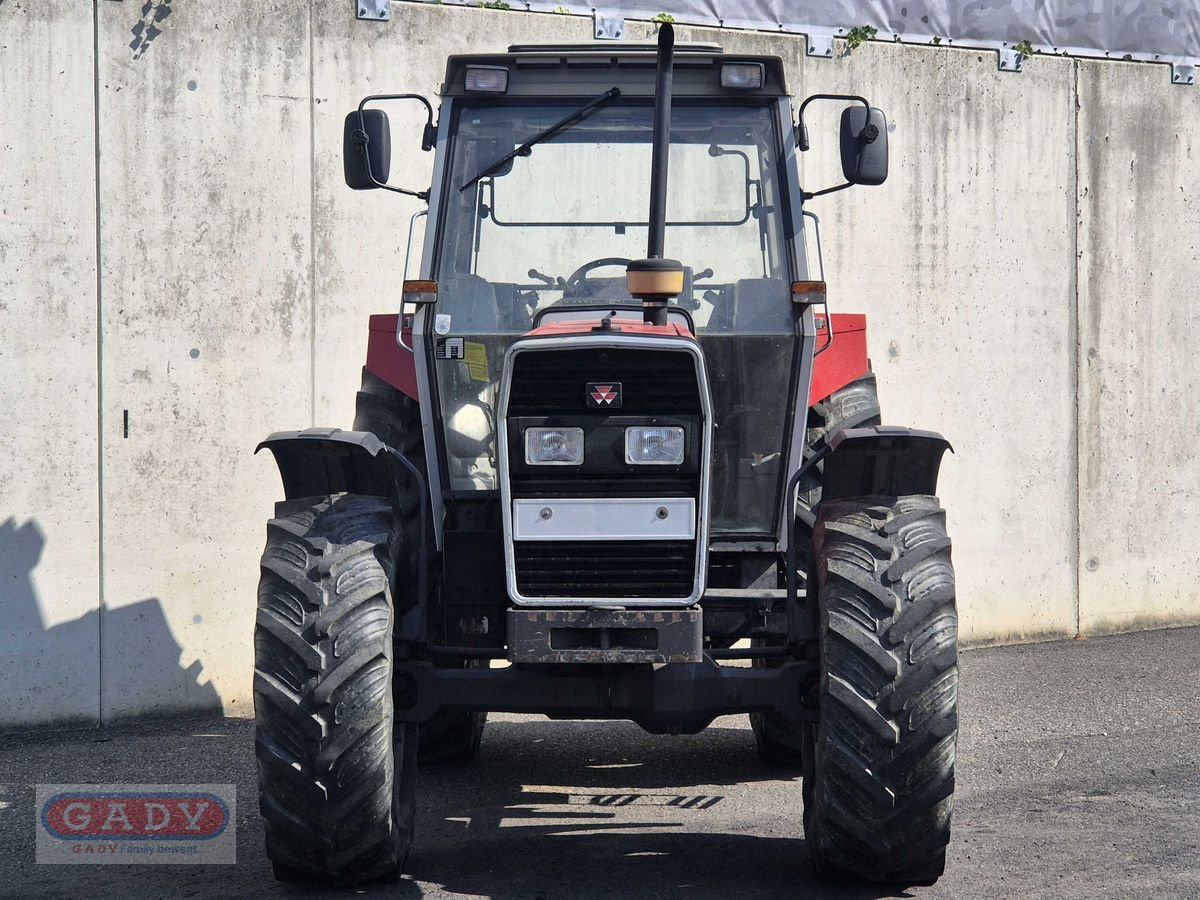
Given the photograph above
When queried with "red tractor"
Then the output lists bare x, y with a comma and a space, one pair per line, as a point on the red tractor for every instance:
588, 478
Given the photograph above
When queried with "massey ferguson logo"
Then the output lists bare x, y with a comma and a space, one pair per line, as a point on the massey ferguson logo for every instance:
607, 396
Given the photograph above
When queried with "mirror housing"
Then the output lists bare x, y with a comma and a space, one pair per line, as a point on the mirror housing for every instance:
366, 149
864, 145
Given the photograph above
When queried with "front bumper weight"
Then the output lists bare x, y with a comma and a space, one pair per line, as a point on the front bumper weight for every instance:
605, 635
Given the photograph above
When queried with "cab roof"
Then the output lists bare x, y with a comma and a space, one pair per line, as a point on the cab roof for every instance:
585, 70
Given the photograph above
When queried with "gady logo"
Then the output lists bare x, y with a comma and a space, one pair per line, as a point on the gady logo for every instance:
606, 395
135, 823
136, 817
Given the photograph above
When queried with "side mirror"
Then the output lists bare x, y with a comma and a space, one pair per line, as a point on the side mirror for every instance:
367, 149
864, 145
367, 144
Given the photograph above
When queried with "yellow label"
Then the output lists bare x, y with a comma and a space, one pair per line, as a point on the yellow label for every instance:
475, 356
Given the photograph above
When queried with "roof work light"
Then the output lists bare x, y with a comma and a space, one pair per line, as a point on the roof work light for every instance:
489, 79
742, 76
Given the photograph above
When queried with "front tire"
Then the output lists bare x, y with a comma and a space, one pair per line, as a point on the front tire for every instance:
879, 784
337, 782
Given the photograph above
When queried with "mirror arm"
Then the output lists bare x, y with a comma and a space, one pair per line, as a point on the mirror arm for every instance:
808, 195
802, 133
428, 138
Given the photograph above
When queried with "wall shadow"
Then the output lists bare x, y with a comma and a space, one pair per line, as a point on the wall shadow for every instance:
61, 674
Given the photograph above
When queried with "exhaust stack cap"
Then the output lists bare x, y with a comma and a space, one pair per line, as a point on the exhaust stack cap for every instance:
654, 279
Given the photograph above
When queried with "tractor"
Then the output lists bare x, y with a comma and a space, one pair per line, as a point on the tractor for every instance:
612, 458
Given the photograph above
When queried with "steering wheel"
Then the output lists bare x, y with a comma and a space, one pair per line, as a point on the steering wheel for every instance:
579, 276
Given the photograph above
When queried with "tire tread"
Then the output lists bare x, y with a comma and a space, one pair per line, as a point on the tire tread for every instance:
322, 692
881, 799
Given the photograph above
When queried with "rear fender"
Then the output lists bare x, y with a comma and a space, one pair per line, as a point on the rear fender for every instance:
321, 461
844, 357
882, 461
387, 359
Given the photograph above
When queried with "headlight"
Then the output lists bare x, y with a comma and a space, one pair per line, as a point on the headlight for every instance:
554, 446
657, 445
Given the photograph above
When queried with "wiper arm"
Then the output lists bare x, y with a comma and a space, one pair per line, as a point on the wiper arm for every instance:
524, 149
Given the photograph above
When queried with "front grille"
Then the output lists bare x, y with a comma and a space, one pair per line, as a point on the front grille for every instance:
551, 382
605, 568
549, 387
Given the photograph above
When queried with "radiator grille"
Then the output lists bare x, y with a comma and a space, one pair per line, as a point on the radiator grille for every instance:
605, 568
582, 486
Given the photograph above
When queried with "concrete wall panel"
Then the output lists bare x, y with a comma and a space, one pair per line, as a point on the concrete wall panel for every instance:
1139, 387
49, 538
206, 258
963, 262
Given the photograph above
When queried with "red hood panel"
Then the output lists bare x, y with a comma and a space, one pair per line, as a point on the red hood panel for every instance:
619, 326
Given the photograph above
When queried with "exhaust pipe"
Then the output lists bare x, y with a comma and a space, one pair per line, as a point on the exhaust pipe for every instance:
662, 141
656, 280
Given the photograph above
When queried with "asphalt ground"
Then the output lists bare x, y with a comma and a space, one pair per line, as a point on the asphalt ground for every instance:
1078, 768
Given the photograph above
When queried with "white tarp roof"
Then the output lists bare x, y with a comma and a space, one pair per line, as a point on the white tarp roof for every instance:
1116, 29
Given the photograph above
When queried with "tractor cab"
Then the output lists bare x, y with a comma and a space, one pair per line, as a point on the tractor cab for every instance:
546, 236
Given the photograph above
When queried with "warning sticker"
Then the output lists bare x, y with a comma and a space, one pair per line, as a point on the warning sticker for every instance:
477, 362
449, 348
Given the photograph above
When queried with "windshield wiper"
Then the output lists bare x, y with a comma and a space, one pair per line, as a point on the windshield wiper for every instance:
524, 149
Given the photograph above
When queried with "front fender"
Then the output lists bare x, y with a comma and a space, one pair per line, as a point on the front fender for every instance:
882, 461
321, 461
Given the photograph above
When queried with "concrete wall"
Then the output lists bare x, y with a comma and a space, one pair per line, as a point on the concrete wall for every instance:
206, 310
49, 465
1138, 153
182, 271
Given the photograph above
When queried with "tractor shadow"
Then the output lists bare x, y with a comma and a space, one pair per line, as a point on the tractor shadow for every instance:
53, 673
583, 809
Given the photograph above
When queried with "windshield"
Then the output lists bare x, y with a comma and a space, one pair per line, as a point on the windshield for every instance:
544, 221
549, 233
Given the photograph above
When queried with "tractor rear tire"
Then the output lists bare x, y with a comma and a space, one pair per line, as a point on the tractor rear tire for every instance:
391, 415
336, 778
394, 418
779, 740
451, 736
880, 782
856, 405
